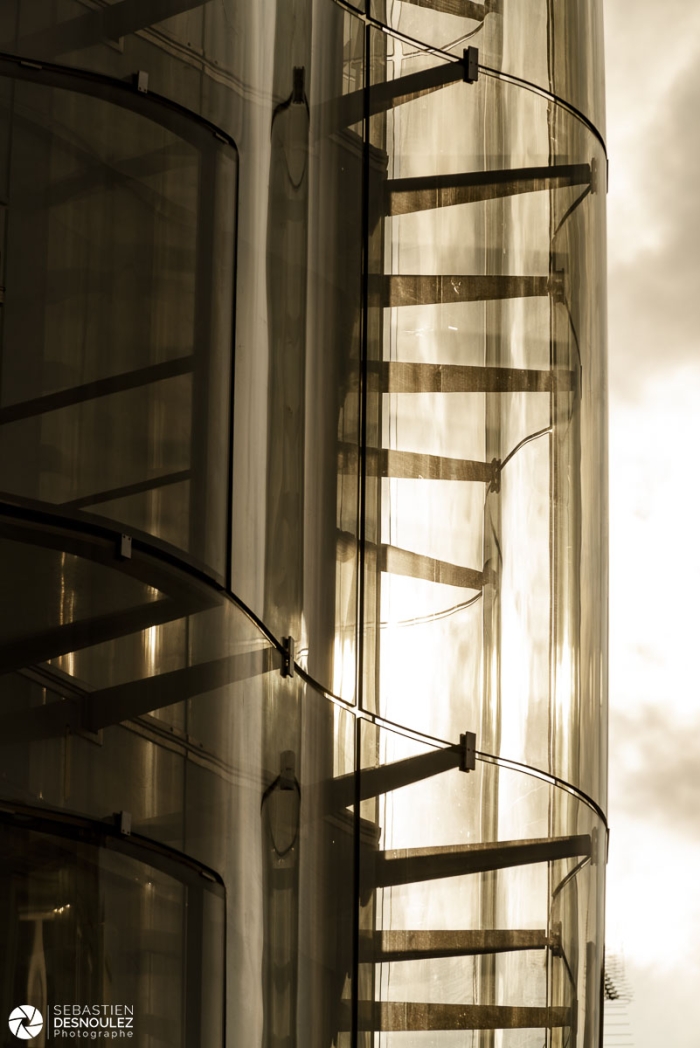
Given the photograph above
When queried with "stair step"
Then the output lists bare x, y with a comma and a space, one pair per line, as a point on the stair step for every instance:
407, 289
400, 377
107, 706
340, 792
410, 465
460, 8
102, 387
425, 193
395, 561
398, 1016
350, 109
409, 866
423, 945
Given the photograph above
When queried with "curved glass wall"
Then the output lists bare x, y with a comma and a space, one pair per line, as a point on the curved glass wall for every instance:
118, 276
488, 399
556, 46
303, 520
151, 933
480, 911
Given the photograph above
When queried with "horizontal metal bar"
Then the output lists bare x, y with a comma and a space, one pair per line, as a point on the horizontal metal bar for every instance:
105, 834
136, 698
206, 137
139, 168
413, 290
410, 866
406, 465
32, 523
340, 792
127, 490
94, 710
349, 109
110, 23
409, 465
460, 8
85, 633
427, 192
385, 946
101, 387
400, 1016
395, 561
400, 377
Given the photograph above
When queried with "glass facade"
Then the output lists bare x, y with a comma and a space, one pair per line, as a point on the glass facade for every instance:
303, 520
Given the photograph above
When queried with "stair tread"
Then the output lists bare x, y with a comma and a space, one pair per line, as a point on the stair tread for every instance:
397, 376
412, 289
411, 865
428, 192
400, 1016
422, 945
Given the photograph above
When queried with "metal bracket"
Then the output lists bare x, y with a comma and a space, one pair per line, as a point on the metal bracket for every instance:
123, 822
125, 547
288, 656
470, 61
141, 79
468, 758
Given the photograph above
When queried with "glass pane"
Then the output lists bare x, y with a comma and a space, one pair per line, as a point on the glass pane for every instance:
116, 341
180, 44
300, 846
56, 600
486, 372
480, 895
297, 412
558, 47
188, 726
120, 939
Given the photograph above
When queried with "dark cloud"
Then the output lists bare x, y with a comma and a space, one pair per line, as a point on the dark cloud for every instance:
655, 296
655, 769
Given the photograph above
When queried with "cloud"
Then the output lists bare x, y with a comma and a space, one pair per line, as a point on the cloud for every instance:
654, 204
655, 769
653, 76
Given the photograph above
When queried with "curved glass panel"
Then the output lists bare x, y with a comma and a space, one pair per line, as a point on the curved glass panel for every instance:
186, 49
297, 434
173, 714
489, 412
75, 917
296, 427
118, 247
480, 901
555, 46
408, 495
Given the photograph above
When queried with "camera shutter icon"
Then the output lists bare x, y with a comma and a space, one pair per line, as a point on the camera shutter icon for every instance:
26, 1022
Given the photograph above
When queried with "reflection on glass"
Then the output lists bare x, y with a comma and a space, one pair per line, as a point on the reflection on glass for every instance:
410, 485
116, 337
87, 925
488, 357
558, 47
471, 900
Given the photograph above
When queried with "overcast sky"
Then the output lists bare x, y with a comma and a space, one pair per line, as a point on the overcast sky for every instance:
653, 81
